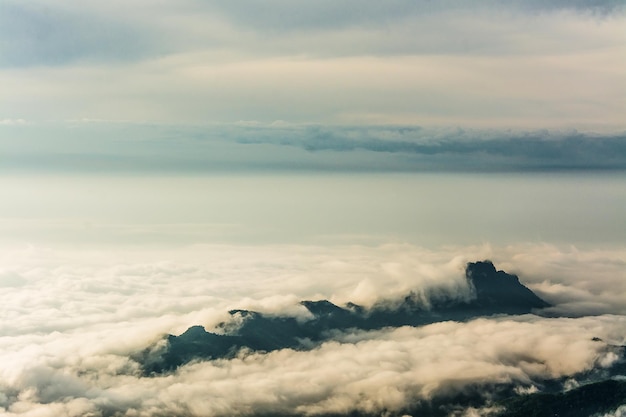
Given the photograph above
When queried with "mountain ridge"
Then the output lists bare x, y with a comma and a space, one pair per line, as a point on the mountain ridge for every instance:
494, 292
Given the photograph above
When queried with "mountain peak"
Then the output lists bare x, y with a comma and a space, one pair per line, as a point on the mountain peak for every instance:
498, 289
497, 292
322, 307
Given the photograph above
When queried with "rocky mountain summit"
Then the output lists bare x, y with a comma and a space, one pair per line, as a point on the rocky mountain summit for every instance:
492, 292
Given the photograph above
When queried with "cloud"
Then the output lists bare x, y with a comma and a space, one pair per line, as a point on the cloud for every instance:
12, 122
46, 34
144, 148
325, 15
598, 293
473, 148
11, 279
382, 371
72, 326
407, 62
126, 147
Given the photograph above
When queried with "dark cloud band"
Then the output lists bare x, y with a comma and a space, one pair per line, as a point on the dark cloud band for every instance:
153, 149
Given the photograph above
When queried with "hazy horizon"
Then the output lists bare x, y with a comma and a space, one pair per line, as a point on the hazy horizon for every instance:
425, 209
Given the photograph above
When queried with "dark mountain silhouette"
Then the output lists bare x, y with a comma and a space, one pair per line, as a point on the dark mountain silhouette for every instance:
595, 399
500, 292
494, 292
588, 400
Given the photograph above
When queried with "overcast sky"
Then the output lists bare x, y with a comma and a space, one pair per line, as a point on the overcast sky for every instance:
497, 64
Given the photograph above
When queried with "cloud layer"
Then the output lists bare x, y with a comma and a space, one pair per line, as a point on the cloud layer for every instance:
74, 319
97, 147
504, 64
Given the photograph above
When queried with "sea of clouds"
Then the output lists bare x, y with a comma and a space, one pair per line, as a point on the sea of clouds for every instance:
72, 320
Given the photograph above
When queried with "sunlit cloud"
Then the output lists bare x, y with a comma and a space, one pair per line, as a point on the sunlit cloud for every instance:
76, 318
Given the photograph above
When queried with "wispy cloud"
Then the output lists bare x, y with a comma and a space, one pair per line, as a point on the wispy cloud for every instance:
12, 122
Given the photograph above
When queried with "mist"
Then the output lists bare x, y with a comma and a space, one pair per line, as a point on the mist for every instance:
75, 318
313, 208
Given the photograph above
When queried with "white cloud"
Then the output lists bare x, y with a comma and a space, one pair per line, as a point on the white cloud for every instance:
12, 122
383, 370
69, 329
563, 277
620, 412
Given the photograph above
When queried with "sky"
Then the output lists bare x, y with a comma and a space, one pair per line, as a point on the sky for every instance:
201, 86
163, 162
490, 64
